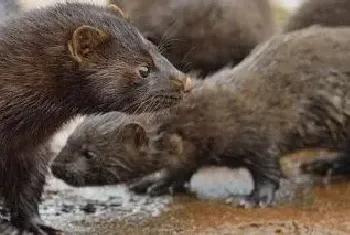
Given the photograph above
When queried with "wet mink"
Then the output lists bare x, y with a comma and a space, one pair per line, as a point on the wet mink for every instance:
320, 12
203, 35
61, 61
290, 94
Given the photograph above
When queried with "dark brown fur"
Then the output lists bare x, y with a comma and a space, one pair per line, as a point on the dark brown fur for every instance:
320, 12
203, 35
290, 94
60, 61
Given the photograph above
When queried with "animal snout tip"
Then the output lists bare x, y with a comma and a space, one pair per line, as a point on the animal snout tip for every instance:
183, 85
188, 84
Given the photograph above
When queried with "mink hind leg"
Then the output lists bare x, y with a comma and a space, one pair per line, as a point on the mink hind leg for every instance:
24, 182
266, 175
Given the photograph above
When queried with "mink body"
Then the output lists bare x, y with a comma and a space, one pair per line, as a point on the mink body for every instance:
58, 62
290, 94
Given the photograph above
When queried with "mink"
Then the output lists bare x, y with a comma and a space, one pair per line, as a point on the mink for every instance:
106, 149
331, 13
291, 93
203, 36
61, 61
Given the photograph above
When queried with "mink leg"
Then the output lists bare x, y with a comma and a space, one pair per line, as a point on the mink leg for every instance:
25, 182
266, 182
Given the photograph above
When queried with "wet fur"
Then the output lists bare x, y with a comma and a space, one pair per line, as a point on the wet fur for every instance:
42, 85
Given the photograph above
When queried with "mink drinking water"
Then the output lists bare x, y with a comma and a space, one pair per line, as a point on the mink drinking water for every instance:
61, 61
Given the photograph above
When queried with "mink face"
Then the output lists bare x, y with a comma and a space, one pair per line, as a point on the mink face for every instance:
109, 61
320, 12
203, 35
103, 150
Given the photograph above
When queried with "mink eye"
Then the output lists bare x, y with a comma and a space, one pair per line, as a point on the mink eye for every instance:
144, 71
90, 155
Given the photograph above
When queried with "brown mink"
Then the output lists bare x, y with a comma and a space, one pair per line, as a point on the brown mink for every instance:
320, 12
60, 61
290, 94
203, 35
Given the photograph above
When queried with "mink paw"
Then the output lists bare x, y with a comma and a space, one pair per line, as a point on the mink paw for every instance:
157, 184
263, 196
35, 226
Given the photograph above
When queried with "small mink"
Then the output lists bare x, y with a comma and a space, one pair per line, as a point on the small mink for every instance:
291, 93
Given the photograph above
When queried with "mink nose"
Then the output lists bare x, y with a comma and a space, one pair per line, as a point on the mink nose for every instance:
185, 84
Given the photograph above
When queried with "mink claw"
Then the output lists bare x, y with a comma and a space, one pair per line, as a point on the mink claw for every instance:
262, 197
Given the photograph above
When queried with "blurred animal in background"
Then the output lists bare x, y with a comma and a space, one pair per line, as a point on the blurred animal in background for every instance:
202, 35
330, 13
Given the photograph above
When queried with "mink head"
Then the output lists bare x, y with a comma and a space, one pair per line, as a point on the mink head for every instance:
104, 150
98, 60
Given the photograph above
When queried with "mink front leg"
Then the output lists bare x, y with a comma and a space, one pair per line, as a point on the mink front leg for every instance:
24, 179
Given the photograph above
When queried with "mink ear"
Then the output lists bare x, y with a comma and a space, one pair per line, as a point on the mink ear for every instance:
116, 10
136, 134
84, 44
